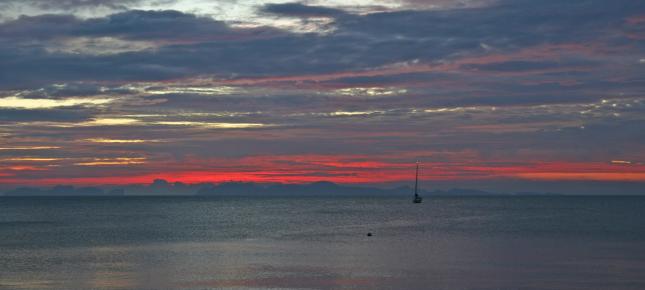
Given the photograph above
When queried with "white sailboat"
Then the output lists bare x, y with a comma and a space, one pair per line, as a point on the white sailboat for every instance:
417, 197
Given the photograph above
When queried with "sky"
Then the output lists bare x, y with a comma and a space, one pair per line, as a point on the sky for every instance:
492, 94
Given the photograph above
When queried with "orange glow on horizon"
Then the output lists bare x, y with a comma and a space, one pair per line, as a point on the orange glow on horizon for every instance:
349, 169
586, 176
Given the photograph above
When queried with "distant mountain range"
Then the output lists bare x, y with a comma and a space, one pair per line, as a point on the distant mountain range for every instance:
321, 188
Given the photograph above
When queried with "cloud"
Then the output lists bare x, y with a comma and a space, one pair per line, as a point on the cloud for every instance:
22, 103
360, 42
13, 9
208, 125
13, 148
97, 46
501, 81
111, 122
40, 27
300, 10
113, 161
445, 4
111, 141
130, 25
56, 115
144, 25
518, 66
71, 4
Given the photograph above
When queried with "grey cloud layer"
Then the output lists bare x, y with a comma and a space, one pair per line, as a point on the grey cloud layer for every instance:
301, 10
548, 80
359, 42
70, 4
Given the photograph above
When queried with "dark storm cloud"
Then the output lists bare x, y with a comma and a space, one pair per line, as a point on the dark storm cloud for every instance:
12, 9
39, 68
53, 115
70, 4
145, 25
301, 10
38, 27
359, 41
525, 65
133, 24
509, 26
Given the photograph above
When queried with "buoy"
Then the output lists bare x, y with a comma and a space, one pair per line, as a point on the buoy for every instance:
369, 234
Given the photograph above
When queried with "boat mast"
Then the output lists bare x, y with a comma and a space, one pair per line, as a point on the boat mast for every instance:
416, 180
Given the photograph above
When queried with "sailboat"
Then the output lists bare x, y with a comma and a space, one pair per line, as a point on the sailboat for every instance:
417, 197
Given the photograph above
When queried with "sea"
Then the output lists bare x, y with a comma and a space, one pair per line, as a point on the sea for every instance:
482, 243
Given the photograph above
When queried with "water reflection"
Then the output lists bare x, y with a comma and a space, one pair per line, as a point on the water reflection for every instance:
444, 244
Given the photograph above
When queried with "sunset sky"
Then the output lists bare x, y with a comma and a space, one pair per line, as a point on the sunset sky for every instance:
493, 94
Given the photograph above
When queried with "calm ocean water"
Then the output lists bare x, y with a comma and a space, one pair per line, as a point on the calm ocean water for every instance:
321, 243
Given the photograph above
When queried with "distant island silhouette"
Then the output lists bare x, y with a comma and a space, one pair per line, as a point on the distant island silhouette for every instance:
161, 187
